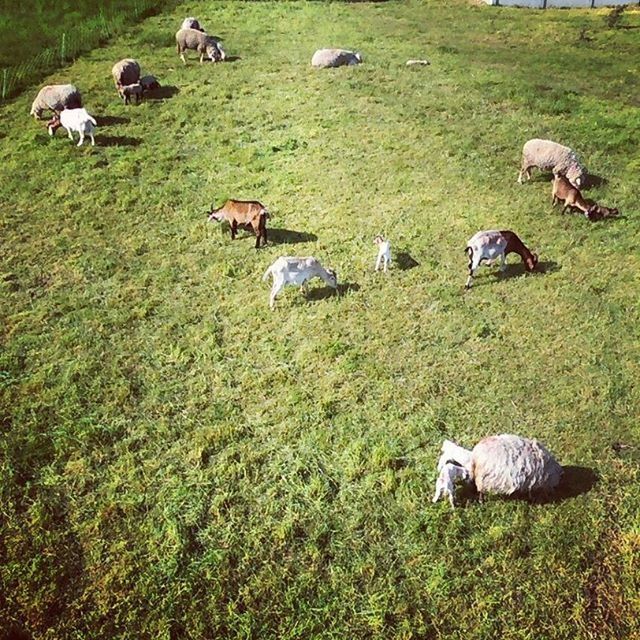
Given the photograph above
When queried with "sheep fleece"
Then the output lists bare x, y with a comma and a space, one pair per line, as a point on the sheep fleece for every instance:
546, 154
506, 463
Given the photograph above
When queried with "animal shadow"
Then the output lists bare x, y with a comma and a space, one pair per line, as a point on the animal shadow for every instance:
117, 141
320, 293
405, 262
161, 93
109, 121
515, 270
592, 181
575, 481
287, 236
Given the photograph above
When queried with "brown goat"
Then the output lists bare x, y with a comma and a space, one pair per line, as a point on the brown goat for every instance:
565, 192
251, 214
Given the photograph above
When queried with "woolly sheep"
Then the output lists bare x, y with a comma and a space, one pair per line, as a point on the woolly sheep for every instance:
548, 155
324, 58
192, 23
125, 72
195, 40
506, 464
56, 97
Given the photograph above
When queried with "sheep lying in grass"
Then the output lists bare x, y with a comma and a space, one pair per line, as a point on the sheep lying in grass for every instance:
324, 58
384, 252
74, 120
548, 155
56, 97
297, 271
506, 464
194, 40
489, 246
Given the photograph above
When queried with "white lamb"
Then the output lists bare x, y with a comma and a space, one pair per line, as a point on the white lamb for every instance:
450, 474
384, 252
297, 271
74, 120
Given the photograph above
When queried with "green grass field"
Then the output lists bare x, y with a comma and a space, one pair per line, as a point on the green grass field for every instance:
179, 462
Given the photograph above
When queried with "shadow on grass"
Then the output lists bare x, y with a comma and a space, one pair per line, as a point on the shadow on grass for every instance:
405, 261
515, 271
320, 293
161, 93
575, 482
287, 236
117, 141
592, 181
108, 121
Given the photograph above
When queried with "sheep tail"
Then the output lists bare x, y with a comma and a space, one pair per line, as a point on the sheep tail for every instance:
265, 213
93, 120
266, 275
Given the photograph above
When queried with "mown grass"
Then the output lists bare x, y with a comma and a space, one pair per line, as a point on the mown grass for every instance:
179, 462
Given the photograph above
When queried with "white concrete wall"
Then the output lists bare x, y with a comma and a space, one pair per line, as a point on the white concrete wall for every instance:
540, 4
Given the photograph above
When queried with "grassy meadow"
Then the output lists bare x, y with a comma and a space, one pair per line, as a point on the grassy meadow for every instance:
177, 461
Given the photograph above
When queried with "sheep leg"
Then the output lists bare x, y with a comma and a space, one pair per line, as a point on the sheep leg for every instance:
81, 139
386, 264
378, 262
234, 229
276, 288
93, 141
201, 58
69, 134
438, 493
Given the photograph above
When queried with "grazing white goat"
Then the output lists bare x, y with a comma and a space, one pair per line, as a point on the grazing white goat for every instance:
489, 246
384, 252
506, 464
74, 120
450, 473
297, 271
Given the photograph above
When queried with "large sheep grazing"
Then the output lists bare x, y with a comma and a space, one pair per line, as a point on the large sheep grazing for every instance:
507, 464
324, 58
548, 155
125, 72
56, 98
194, 40
192, 23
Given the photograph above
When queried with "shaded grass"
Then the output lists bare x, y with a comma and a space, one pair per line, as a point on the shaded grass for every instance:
178, 461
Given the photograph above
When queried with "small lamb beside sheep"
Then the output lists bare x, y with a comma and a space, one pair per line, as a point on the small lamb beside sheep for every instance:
489, 246
551, 156
297, 271
504, 464
56, 97
74, 120
325, 58
194, 40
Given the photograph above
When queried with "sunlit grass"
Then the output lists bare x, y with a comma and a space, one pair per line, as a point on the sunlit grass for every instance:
178, 461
